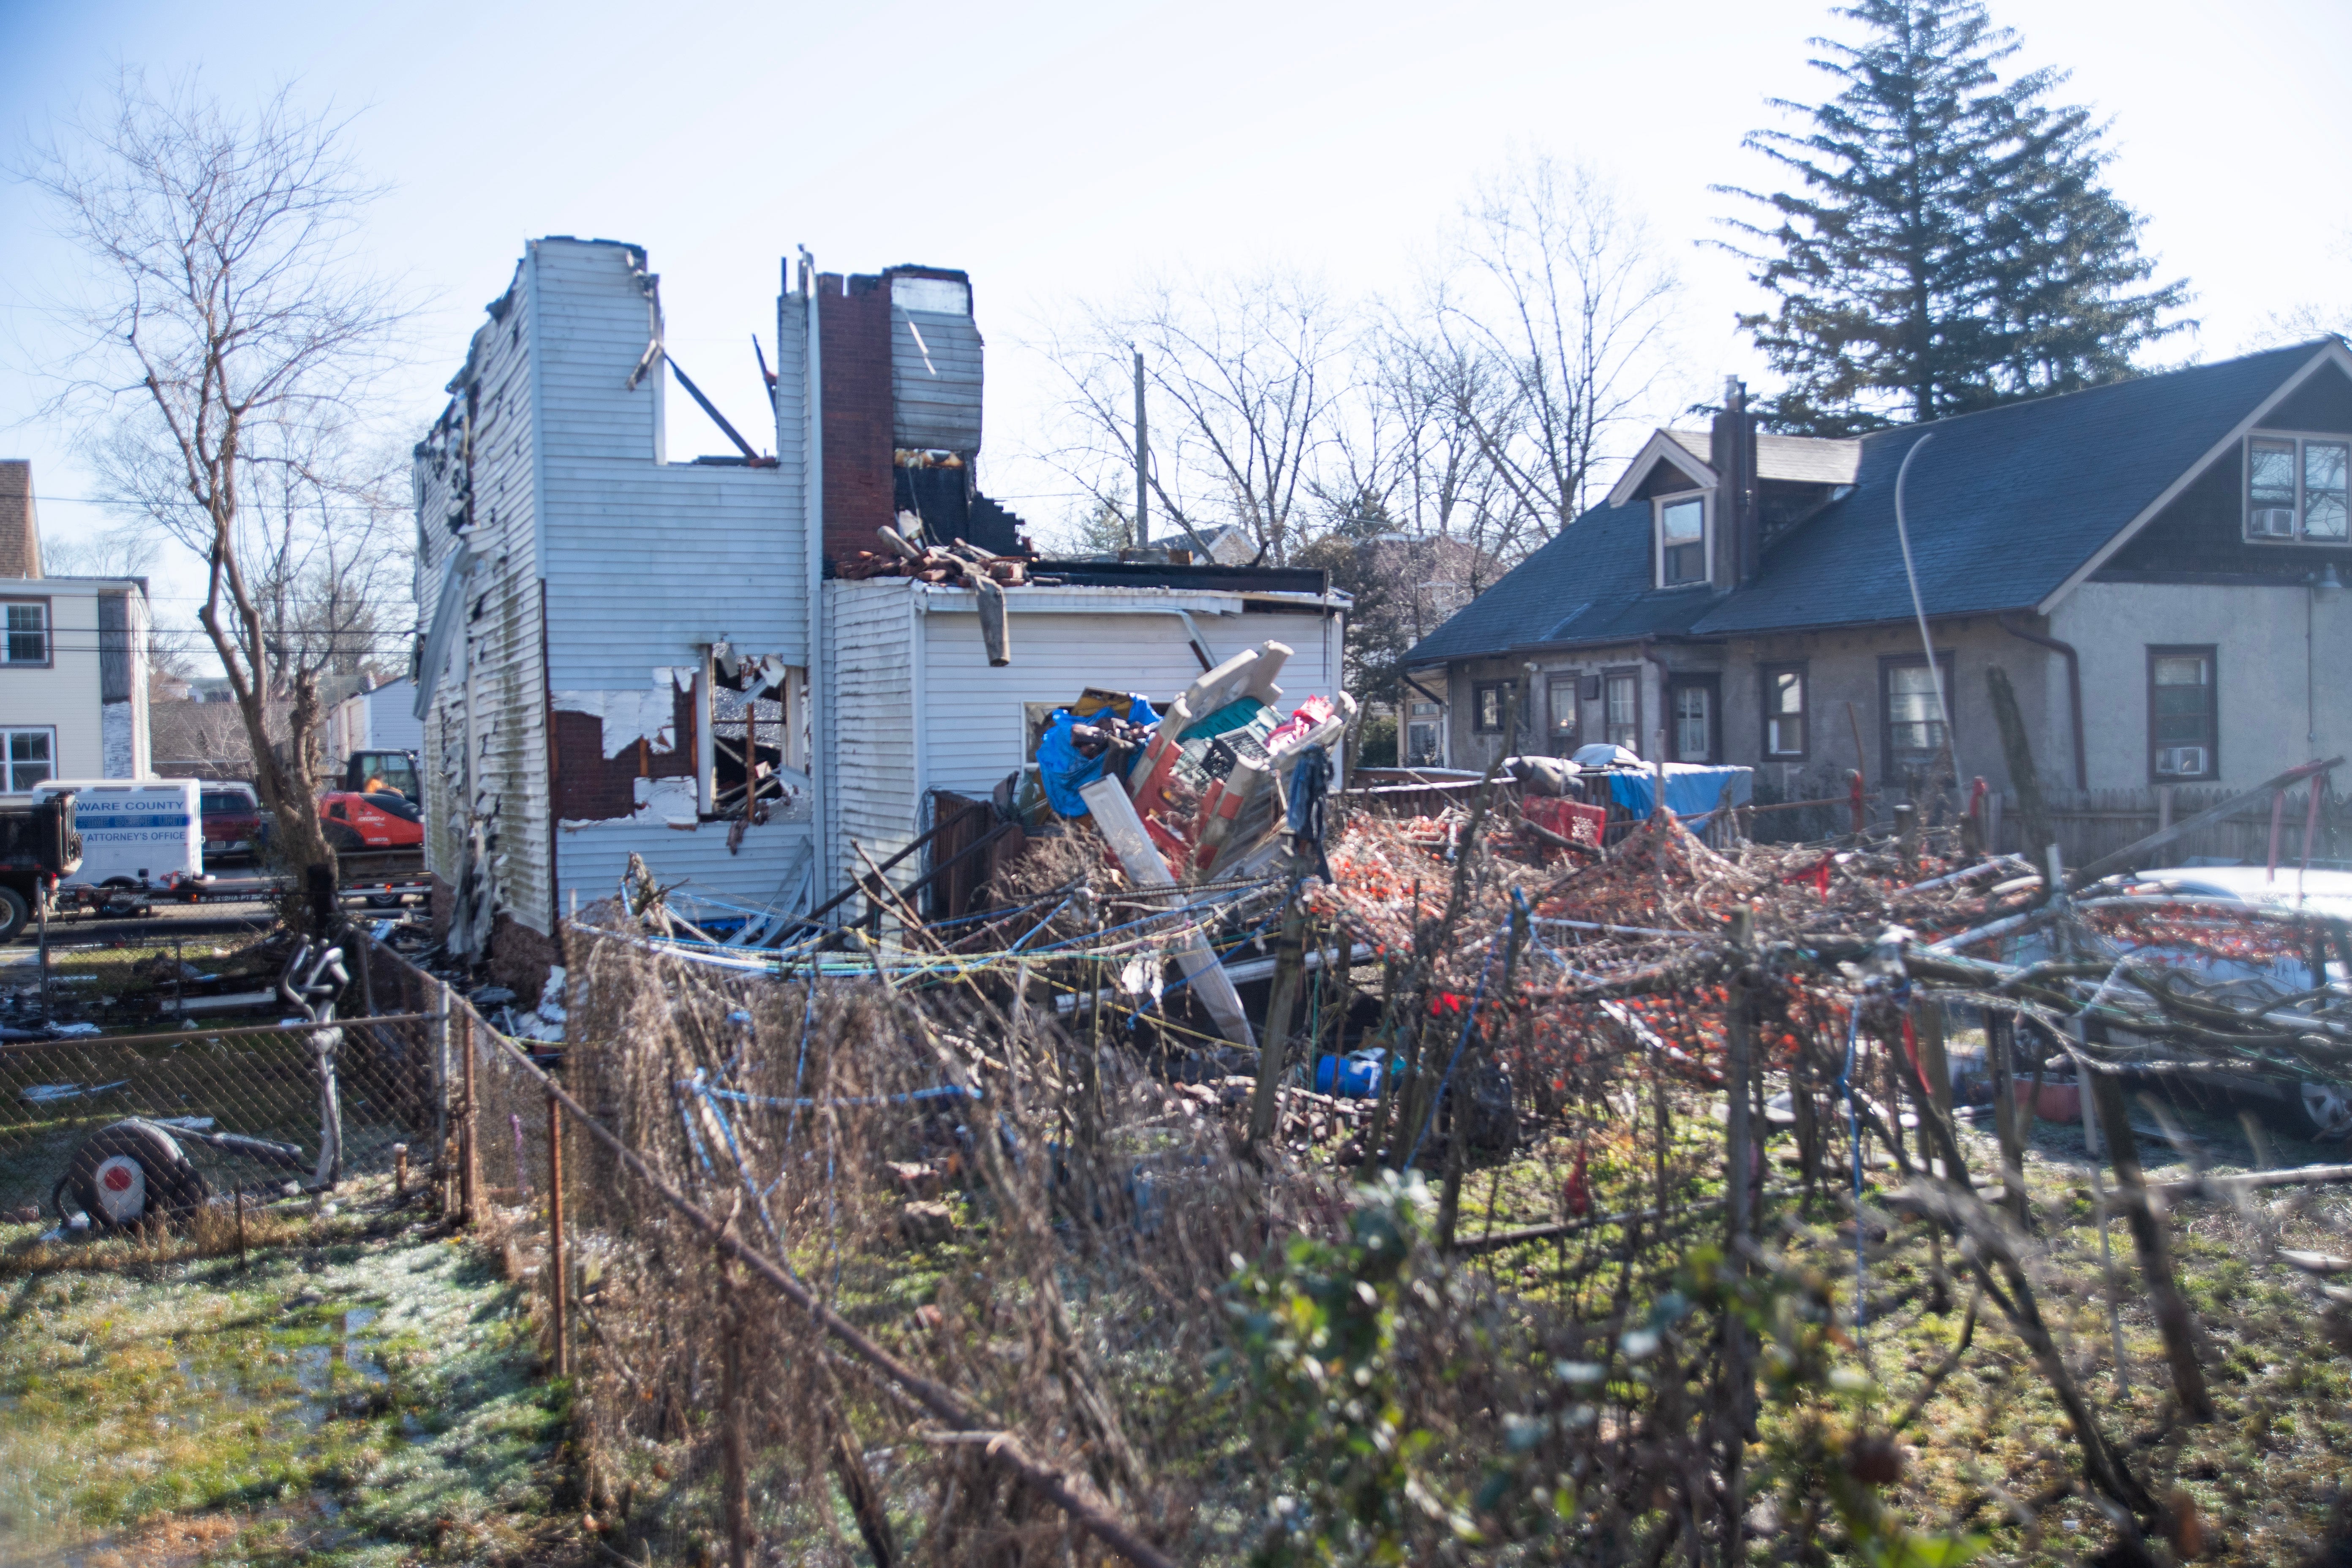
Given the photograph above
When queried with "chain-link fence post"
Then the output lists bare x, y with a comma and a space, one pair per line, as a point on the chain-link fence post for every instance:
437, 999
468, 1168
737, 1492
555, 1258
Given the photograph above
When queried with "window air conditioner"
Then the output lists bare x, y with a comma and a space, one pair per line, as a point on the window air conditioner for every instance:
2270, 522
2181, 762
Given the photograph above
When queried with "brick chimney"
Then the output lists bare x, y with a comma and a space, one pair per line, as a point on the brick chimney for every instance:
854, 336
20, 525
1739, 523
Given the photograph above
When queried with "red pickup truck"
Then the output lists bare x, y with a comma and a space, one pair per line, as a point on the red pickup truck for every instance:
234, 822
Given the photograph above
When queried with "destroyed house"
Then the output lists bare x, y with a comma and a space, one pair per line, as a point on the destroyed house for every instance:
708, 663
2156, 565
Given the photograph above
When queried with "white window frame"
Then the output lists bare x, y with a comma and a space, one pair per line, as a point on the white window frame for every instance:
1706, 499
1556, 681
2246, 487
1609, 727
7, 760
1802, 670
1679, 749
48, 634
2208, 655
1413, 719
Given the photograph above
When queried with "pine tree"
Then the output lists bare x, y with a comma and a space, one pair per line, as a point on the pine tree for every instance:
1952, 243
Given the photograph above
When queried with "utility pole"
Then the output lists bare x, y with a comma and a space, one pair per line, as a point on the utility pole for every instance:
1142, 463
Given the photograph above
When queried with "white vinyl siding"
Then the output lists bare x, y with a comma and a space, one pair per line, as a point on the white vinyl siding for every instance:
65, 693
871, 658
601, 563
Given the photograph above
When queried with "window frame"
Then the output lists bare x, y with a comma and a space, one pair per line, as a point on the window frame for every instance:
1802, 670
1887, 664
2211, 654
1631, 672
1712, 684
8, 734
1478, 691
1658, 504
48, 659
1556, 683
2299, 438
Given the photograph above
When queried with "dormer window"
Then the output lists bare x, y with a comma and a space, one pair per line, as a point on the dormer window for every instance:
1681, 539
2298, 489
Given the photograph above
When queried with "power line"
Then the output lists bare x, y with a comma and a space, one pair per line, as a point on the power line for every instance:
249, 508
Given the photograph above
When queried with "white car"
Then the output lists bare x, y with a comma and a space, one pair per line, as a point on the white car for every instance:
2311, 1107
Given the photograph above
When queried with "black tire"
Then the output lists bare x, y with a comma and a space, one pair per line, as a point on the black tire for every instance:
383, 900
14, 912
2321, 1112
174, 1188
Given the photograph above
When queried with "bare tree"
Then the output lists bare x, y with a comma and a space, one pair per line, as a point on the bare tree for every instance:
1444, 401
227, 294
1245, 378
128, 551
1469, 421
1555, 295
125, 551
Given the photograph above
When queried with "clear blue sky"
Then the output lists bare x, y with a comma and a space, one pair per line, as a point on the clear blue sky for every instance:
1056, 149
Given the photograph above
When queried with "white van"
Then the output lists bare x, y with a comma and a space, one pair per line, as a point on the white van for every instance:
136, 833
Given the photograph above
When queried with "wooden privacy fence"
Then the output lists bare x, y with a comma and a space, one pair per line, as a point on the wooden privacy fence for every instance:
2090, 824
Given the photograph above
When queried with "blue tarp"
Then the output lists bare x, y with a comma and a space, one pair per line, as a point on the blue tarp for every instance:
1692, 791
1063, 772
1355, 1075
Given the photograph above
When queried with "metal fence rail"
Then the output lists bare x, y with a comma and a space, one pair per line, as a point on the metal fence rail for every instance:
250, 1082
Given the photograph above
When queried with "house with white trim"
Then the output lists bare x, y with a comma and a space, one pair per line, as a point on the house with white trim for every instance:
2158, 565
73, 660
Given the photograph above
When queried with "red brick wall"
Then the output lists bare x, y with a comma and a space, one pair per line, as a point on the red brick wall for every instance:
20, 540
854, 337
591, 787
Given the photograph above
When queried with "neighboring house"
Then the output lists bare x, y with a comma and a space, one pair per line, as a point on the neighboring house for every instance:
2157, 564
73, 660
612, 636
376, 718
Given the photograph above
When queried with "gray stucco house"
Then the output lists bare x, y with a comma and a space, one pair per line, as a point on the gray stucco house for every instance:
2157, 564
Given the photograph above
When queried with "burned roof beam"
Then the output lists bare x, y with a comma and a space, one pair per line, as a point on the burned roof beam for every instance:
711, 409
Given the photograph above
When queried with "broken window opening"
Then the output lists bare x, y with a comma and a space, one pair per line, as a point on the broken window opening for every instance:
748, 738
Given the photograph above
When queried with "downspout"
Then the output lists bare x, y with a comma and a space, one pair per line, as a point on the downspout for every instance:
1665, 674
2074, 688
813, 534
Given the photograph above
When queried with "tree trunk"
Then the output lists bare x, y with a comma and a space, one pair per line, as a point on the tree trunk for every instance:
287, 782
2173, 1317
2033, 818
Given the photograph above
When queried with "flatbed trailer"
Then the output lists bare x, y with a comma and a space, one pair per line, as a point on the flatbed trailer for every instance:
382, 878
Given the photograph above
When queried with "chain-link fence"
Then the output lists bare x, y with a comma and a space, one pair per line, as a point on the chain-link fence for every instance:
241, 1107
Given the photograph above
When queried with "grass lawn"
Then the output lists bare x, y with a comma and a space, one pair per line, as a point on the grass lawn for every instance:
365, 1392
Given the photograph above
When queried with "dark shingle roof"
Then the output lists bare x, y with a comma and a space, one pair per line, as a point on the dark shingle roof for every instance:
2003, 506
1591, 582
